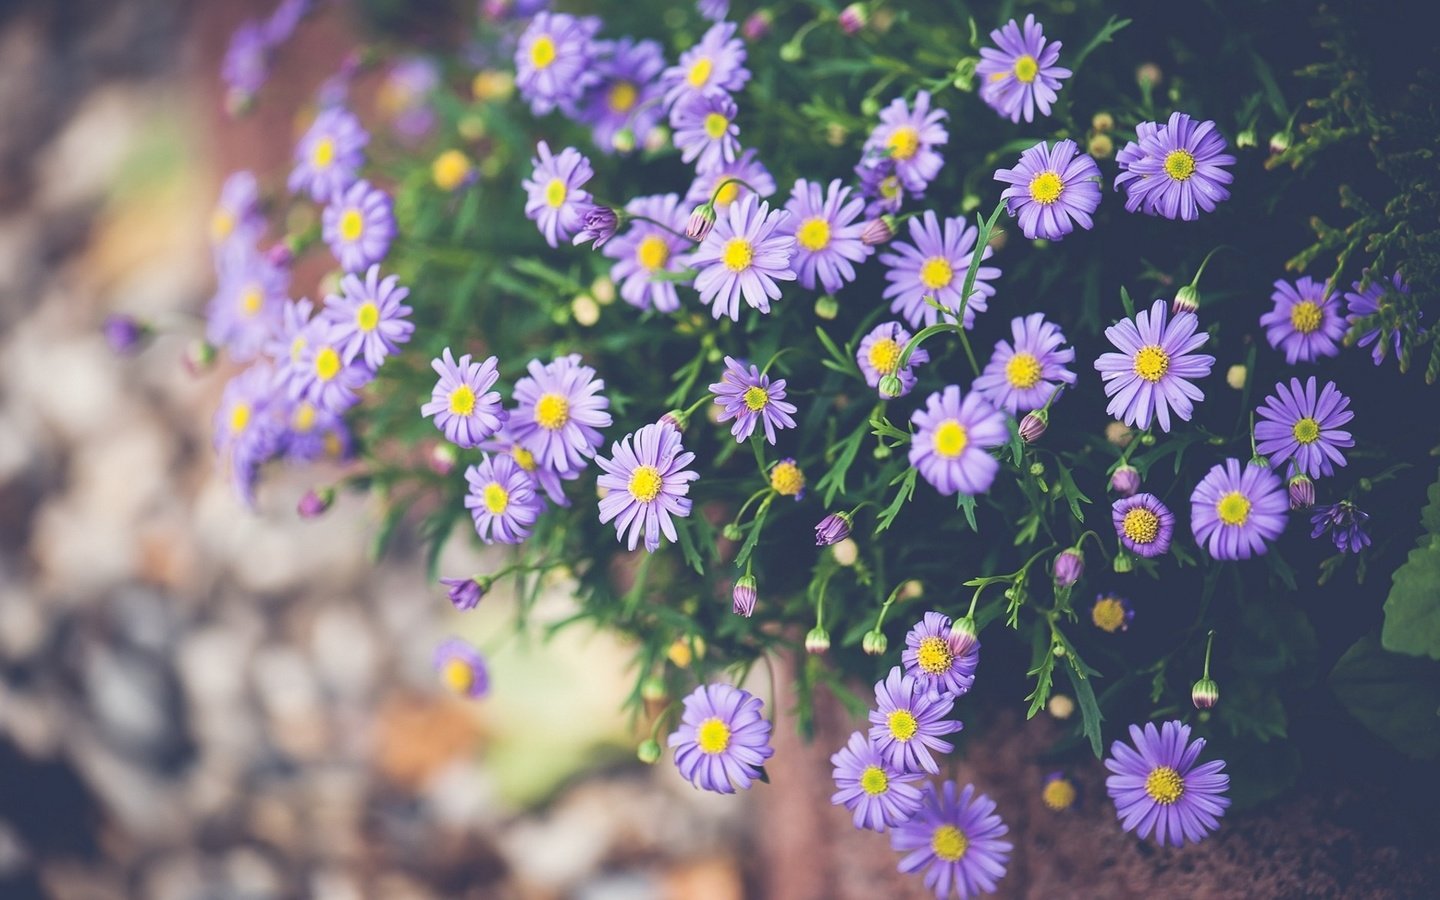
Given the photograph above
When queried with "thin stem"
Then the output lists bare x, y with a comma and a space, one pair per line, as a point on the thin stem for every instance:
658, 224
715, 191
1206, 261
778, 354
916, 341
1209, 642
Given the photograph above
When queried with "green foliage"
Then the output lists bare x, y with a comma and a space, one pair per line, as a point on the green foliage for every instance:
1397, 697
1412, 611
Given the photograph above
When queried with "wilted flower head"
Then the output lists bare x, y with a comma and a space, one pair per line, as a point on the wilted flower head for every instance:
1346, 523
1111, 613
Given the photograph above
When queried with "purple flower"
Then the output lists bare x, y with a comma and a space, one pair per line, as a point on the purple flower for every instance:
329, 156
832, 529
1302, 491
550, 480
879, 355
598, 225
1023, 376
314, 503
714, 10
1306, 322
745, 168
743, 597
934, 266
879, 184
404, 96
952, 434
748, 396
246, 308
1346, 524
462, 668
554, 61
1111, 613
1158, 788
1022, 75
877, 793
1305, 427
1233, 513
1152, 372
501, 500
1174, 170
648, 248
287, 343
324, 378
246, 64
716, 64
827, 235
1143, 524
124, 333
705, 130
463, 405
245, 428
909, 721
559, 412
369, 317
1125, 480
1052, 190
237, 219
314, 433
464, 593
1069, 567
557, 201
908, 138
723, 739
1362, 304
957, 840
627, 96
745, 254
285, 19
647, 484
359, 224
941, 656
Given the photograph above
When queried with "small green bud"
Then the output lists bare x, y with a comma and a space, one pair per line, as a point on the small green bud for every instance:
1205, 693
874, 643
732, 532
648, 751
652, 689
827, 307
1037, 469
817, 641
891, 386
1123, 562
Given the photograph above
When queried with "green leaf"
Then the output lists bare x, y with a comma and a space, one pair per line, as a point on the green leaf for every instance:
1107, 33
907, 489
1250, 708
966, 502
1072, 492
834, 480
1412, 611
687, 547
1397, 697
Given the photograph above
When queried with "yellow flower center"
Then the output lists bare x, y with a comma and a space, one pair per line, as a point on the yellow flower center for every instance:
552, 411
1026, 68
542, 52
885, 356
903, 725
297, 348
1046, 188
450, 170
951, 438
496, 498
327, 363
239, 417
727, 194
814, 234
462, 400
1023, 371
715, 125
1108, 614
737, 254
555, 193
652, 253
304, 418
700, 72
1140, 525
1305, 316
756, 398
1058, 794
904, 142
221, 225
251, 299
949, 843
1307, 430
1233, 508
458, 676
367, 317
713, 736
874, 781
333, 445
1179, 164
1151, 362
645, 483
936, 273
622, 96
890, 187
1164, 785
787, 479
351, 225
323, 153
523, 458
934, 656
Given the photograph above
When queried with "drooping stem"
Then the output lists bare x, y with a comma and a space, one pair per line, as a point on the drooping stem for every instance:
1209, 642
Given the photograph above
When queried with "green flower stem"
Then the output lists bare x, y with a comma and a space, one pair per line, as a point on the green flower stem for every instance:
885, 607
638, 218
720, 185
1209, 642
916, 341
773, 359
1195, 282
753, 497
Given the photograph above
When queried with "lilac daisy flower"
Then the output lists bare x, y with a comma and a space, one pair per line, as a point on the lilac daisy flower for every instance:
1023, 376
464, 593
1111, 613
369, 317
1301, 425
723, 739
329, 156
1234, 512
237, 218
463, 405
246, 430
246, 64
827, 235
746, 253
952, 434
879, 355
1022, 75
287, 343
325, 379
1346, 523
1174, 170
556, 199
1154, 368
941, 656
551, 481
248, 301
501, 500
283, 21
716, 64
1361, 304
714, 10
1143, 524
705, 130
908, 138
1306, 322
462, 668
877, 794
935, 266
647, 249
647, 485
1052, 190
359, 224
554, 61
745, 168
313, 433
881, 186
908, 723
957, 840
748, 396
559, 412
404, 97
627, 97
1158, 788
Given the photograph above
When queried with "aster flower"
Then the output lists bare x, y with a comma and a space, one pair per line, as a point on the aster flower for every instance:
1068, 567
723, 739
738, 177
745, 254
941, 656
464, 593
957, 838
559, 412
908, 137
647, 483
550, 480
627, 95
1052, 190
1174, 170
1306, 321
1022, 376
1143, 524
1158, 788
1111, 613
246, 64
1234, 512
833, 529
358, 225
1303, 426
312, 433
1152, 372
787, 480
748, 396
554, 61
324, 378
908, 722
879, 355
246, 308
329, 156
463, 405
237, 218
556, 201
878, 794
705, 130
714, 10
501, 500
716, 64
1361, 304
934, 266
881, 186
827, 235
404, 97
648, 248
462, 668
245, 428
1346, 523
744, 595
1058, 792
952, 434
598, 225
287, 342
370, 317
1022, 75
1125, 480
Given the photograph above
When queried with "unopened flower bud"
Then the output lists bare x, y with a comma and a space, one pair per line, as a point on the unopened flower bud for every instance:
879, 230
1037, 469
744, 595
1246, 139
466, 593
1061, 707
443, 458
1279, 142
623, 140
124, 333
1235, 376
1205, 693
1125, 480
676, 419
1102, 122
1069, 566
701, 221
1101, 146
652, 689
1123, 562
853, 18
1119, 434
648, 751
732, 532
315, 502
1302, 491
791, 52
1033, 425
832, 529
966, 635
1187, 299
199, 356
874, 643
911, 589
598, 224
891, 386
757, 26
827, 307
817, 641
1148, 75
1058, 650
